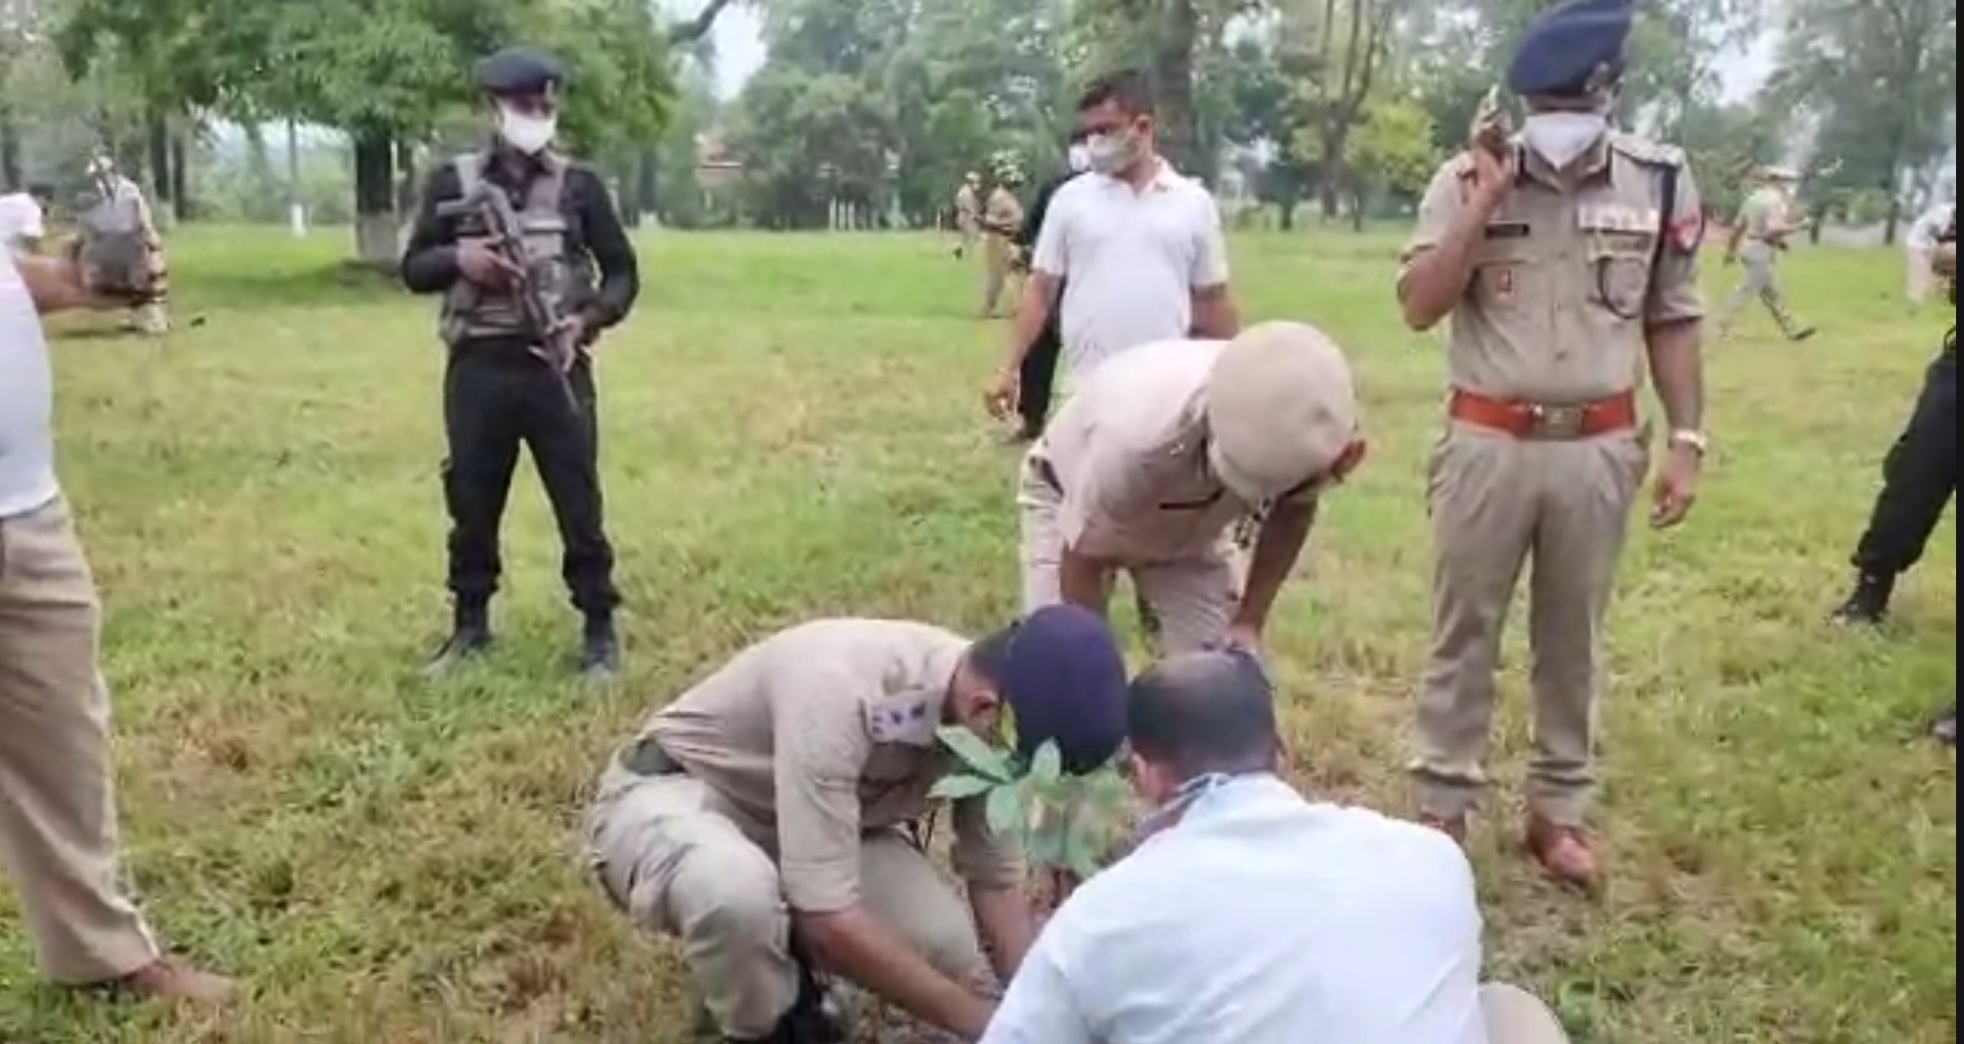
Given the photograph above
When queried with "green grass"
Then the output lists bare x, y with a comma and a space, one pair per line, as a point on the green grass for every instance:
792, 429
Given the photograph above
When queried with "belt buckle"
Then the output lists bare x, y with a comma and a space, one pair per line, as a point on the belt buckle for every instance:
1556, 422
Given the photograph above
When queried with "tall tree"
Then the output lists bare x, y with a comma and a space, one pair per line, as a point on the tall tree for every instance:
1881, 77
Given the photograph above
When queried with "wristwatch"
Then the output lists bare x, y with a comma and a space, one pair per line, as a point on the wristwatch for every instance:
1692, 440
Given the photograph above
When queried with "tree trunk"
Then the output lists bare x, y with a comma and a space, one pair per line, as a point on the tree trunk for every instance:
9, 148
180, 177
406, 187
1287, 216
375, 203
648, 181
156, 135
1179, 132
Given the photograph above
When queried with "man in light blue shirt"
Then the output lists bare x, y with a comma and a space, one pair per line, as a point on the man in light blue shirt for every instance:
1251, 916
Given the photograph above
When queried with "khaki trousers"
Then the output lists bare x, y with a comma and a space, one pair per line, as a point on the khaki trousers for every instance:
671, 853
1186, 604
1498, 502
58, 835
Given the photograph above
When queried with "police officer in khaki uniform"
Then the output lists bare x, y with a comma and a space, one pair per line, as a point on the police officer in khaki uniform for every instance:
498, 394
1162, 450
968, 211
757, 817
1566, 258
1759, 235
1002, 221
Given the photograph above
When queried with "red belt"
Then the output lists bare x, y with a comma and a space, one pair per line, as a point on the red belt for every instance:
1537, 420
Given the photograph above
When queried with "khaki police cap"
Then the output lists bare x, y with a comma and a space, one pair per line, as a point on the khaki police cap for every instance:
1281, 409
1779, 174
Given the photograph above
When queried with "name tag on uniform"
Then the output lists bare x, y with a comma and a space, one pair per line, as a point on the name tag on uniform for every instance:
1507, 230
1616, 218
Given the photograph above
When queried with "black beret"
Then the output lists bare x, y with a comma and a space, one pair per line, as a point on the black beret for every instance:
1569, 51
520, 70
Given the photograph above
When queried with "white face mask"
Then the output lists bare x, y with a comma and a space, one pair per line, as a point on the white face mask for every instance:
1562, 137
527, 133
1080, 159
1110, 153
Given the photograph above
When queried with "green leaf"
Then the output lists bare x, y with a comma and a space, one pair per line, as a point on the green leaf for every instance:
962, 787
1006, 810
980, 758
1081, 856
1048, 767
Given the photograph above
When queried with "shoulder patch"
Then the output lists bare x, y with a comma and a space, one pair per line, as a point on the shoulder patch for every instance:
908, 720
1643, 150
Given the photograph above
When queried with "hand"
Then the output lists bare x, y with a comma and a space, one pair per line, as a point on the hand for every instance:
1246, 638
484, 266
1493, 177
1004, 394
1676, 488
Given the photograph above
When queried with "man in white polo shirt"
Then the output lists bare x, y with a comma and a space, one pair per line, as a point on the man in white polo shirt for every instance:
57, 808
1137, 249
1248, 915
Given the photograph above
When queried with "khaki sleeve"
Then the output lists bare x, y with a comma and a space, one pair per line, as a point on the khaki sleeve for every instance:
1674, 294
981, 856
1436, 211
1004, 210
822, 747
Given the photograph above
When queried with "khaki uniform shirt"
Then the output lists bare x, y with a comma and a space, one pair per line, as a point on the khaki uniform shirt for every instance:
1763, 215
823, 732
967, 210
1005, 212
1568, 280
1129, 454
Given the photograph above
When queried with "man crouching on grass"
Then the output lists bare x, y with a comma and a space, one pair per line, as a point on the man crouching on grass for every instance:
57, 804
758, 818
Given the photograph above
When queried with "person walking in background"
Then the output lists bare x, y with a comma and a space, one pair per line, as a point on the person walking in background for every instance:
1002, 219
1759, 236
1921, 243
968, 213
119, 193
58, 835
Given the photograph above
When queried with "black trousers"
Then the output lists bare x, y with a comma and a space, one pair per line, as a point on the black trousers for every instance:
1919, 476
1038, 378
497, 397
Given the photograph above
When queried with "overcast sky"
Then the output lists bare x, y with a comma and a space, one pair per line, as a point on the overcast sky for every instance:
740, 51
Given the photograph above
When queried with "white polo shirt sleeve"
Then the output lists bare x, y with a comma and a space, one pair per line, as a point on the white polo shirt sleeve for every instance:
1210, 260
1041, 1005
1052, 255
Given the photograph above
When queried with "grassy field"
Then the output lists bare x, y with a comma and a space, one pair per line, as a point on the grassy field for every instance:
793, 429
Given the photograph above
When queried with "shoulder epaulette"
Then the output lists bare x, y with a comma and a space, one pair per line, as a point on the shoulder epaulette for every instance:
1644, 150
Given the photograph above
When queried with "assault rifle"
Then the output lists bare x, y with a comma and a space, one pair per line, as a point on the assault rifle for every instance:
549, 332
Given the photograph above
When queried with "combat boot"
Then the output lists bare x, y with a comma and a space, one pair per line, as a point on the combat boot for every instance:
1868, 604
600, 650
470, 636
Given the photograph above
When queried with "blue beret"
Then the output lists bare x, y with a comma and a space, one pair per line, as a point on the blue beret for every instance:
1062, 674
1567, 50
519, 70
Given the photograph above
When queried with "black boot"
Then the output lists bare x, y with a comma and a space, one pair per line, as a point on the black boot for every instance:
1868, 603
600, 650
470, 636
